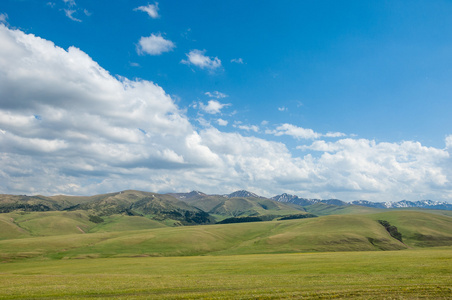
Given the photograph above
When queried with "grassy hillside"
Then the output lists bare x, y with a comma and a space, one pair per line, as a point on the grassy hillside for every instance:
420, 229
9, 229
53, 223
10, 203
223, 207
322, 209
322, 234
164, 208
126, 223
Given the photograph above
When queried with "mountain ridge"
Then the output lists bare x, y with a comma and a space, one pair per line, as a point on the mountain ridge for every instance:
62, 202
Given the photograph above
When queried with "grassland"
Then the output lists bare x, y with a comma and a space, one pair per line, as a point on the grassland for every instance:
409, 274
54, 255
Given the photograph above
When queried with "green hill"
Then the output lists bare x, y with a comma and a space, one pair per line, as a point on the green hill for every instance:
322, 234
10, 203
420, 229
323, 209
224, 207
21, 224
164, 208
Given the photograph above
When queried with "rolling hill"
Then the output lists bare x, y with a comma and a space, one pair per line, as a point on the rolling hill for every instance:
322, 234
154, 206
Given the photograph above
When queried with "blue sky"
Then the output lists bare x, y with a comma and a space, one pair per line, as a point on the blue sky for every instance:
328, 99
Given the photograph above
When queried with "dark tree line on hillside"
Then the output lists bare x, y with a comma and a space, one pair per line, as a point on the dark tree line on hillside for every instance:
299, 216
393, 231
264, 218
24, 207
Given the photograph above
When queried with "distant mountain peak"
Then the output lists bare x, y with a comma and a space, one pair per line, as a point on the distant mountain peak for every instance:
288, 198
185, 196
197, 193
243, 194
284, 197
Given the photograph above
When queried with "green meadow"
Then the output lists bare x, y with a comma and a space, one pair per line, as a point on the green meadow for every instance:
408, 274
55, 255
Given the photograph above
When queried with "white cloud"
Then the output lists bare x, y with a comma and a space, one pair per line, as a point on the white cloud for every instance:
69, 13
222, 122
68, 126
237, 60
294, 131
449, 142
150, 9
216, 95
69, 2
283, 108
154, 45
61, 110
377, 170
3, 17
248, 127
301, 133
334, 134
213, 107
197, 58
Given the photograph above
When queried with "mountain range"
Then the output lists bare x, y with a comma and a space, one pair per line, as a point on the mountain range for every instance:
400, 204
195, 207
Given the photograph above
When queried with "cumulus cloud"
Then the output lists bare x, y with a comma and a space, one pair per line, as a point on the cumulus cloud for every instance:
213, 107
154, 45
222, 122
449, 142
198, 59
253, 128
294, 131
374, 170
301, 133
68, 126
151, 9
56, 104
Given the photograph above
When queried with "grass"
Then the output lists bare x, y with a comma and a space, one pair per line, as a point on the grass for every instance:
405, 274
46, 256
420, 229
322, 234
124, 223
51, 223
331, 233
322, 209
222, 207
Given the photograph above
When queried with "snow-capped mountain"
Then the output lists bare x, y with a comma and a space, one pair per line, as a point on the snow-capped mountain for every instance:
404, 203
294, 199
288, 198
304, 202
400, 204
